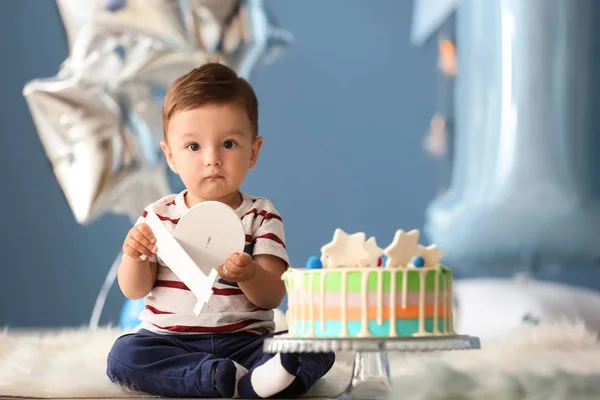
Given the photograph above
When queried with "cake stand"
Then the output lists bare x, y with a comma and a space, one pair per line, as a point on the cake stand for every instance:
371, 370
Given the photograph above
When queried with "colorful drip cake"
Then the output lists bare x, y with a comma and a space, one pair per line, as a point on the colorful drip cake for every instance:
356, 289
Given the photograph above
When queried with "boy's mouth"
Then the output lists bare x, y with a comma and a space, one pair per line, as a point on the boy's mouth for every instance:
213, 177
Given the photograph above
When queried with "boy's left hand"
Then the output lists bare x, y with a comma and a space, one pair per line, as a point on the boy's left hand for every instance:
238, 268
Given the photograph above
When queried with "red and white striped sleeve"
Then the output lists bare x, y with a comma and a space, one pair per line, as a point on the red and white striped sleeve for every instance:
268, 236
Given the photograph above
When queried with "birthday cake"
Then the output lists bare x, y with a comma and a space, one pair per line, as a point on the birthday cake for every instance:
356, 289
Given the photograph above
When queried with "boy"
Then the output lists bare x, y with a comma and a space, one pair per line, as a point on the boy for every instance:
210, 122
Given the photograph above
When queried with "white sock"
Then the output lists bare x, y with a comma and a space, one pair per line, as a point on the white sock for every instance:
270, 378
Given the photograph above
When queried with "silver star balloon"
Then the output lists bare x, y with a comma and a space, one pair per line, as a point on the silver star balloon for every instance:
101, 145
242, 32
239, 33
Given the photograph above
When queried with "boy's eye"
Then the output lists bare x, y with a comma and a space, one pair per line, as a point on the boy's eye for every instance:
193, 146
229, 144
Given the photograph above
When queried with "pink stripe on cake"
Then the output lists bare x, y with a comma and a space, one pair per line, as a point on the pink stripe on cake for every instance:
355, 299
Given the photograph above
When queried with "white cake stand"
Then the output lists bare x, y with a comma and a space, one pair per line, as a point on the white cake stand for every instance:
371, 370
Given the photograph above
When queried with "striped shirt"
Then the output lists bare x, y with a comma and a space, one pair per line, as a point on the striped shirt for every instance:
170, 304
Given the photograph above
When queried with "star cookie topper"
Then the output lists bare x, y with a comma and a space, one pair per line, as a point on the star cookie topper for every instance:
431, 254
344, 249
403, 248
373, 251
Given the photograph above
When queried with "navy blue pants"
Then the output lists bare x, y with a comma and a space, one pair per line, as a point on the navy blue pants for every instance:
181, 365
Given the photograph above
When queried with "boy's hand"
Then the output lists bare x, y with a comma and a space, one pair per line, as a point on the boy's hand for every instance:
238, 268
140, 241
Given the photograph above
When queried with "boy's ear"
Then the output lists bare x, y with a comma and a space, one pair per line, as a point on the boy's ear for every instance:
168, 155
258, 142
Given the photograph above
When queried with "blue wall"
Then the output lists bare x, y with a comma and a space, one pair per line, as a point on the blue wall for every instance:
343, 113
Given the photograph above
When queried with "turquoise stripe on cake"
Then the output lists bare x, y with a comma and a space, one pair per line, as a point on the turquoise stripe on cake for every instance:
333, 328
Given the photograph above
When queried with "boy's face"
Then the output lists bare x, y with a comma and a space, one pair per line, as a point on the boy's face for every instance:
212, 149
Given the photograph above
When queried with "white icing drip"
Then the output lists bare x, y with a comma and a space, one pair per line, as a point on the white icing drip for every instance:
323, 276
311, 310
404, 287
451, 311
296, 299
422, 280
393, 303
303, 296
436, 302
444, 320
343, 307
380, 296
289, 314
364, 326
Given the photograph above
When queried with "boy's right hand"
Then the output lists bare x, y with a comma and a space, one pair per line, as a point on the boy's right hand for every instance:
140, 241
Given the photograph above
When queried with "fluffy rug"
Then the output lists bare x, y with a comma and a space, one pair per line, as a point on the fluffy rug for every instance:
72, 364
557, 361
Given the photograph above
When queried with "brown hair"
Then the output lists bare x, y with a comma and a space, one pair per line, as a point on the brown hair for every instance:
212, 83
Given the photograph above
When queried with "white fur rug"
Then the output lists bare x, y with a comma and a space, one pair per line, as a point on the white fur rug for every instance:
554, 362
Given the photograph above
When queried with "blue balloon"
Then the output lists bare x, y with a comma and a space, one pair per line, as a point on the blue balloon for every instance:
525, 185
314, 263
130, 313
418, 261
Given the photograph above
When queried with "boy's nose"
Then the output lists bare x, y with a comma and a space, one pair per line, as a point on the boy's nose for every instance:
212, 158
